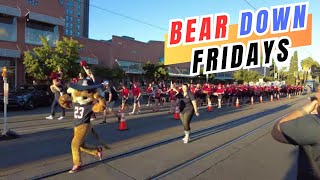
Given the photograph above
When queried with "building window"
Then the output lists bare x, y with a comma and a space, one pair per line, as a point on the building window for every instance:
33, 2
67, 11
71, 33
71, 19
131, 67
71, 11
67, 24
78, 26
8, 28
71, 25
67, 32
79, 13
34, 30
78, 34
79, 1
79, 21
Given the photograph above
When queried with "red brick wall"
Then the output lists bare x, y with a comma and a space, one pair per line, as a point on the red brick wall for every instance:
97, 49
132, 50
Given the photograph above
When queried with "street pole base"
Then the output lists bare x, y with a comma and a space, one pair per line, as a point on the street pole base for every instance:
8, 135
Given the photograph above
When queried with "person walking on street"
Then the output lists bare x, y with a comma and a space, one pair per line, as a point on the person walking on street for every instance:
136, 92
57, 90
125, 95
111, 96
149, 93
173, 92
188, 107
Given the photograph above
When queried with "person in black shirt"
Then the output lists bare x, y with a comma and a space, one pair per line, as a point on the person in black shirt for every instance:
111, 98
302, 128
188, 107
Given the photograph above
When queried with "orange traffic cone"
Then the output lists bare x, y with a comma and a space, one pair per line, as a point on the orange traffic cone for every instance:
271, 98
261, 101
209, 107
123, 123
237, 103
176, 115
251, 100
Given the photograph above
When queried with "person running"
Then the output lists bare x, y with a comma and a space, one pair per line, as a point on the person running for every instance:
57, 90
136, 92
228, 94
220, 92
125, 96
157, 98
198, 95
188, 107
172, 96
163, 94
149, 93
111, 96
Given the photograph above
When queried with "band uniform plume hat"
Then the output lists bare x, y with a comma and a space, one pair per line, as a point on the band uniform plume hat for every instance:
85, 84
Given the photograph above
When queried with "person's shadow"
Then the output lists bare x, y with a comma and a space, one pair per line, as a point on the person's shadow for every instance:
292, 172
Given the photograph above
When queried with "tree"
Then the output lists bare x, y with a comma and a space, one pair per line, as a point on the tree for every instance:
283, 74
293, 69
306, 65
161, 71
35, 62
149, 70
45, 59
66, 54
273, 69
155, 71
246, 76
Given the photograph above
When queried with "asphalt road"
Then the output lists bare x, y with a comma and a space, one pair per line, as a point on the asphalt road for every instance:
44, 146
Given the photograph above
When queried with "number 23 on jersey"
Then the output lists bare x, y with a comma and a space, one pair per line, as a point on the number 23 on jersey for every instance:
78, 112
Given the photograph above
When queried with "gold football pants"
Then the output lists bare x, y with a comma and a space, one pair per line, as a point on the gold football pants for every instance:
78, 145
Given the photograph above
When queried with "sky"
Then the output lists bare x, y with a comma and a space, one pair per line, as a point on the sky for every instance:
105, 20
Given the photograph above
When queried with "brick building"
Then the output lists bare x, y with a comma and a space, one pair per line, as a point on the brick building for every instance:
130, 55
22, 22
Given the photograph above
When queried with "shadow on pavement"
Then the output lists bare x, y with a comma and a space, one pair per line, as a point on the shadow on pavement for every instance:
45, 145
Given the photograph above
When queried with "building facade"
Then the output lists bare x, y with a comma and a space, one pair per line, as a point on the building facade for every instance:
21, 25
130, 55
76, 17
23, 22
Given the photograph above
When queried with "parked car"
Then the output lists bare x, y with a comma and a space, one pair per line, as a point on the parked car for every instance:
29, 96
